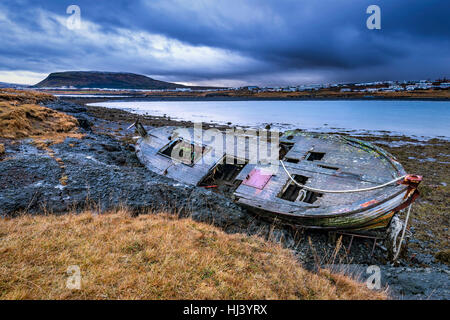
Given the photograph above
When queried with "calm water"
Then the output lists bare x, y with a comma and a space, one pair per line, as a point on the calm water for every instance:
415, 118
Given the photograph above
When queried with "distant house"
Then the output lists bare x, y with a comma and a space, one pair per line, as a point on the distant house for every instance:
309, 87
423, 85
396, 88
346, 90
183, 89
252, 88
290, 89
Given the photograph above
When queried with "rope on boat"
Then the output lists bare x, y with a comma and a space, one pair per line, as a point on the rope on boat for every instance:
341, 191
397, 252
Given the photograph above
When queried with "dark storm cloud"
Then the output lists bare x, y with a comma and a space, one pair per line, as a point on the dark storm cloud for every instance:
255, 41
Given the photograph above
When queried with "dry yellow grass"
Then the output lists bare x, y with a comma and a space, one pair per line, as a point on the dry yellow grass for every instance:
34, 121
22, 117
24, 96
153, 257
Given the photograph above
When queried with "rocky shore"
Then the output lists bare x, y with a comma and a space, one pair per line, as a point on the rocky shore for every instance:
101, 171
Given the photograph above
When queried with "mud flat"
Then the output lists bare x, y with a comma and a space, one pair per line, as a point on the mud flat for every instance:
102, 172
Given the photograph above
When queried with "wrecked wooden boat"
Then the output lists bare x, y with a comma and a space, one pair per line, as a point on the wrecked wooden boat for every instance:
321, 181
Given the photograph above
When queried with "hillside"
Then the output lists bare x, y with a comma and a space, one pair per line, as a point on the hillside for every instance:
96, 79
153, 257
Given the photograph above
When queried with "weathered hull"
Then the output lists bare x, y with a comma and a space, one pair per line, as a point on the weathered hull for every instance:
375, 217
318, 161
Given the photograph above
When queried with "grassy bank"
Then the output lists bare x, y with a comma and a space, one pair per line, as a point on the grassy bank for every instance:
24, 96
21, 116
153, 257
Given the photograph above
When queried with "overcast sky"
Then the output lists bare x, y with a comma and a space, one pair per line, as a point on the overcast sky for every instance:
228, 42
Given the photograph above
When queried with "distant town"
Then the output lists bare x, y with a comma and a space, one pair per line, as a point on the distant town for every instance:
368, 87
378, 86
94, 84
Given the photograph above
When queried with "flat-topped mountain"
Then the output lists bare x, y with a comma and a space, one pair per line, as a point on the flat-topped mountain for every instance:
97, 79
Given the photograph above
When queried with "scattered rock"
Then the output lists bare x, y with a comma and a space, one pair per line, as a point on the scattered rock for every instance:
67, 107
110, 147
443, 256
84, 121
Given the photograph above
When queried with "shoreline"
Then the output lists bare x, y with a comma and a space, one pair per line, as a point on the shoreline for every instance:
114, 114
245, 98
280, 126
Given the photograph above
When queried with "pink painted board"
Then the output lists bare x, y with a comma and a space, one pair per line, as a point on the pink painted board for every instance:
257, 179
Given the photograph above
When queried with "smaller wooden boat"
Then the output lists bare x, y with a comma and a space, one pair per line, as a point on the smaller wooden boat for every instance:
323, 181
